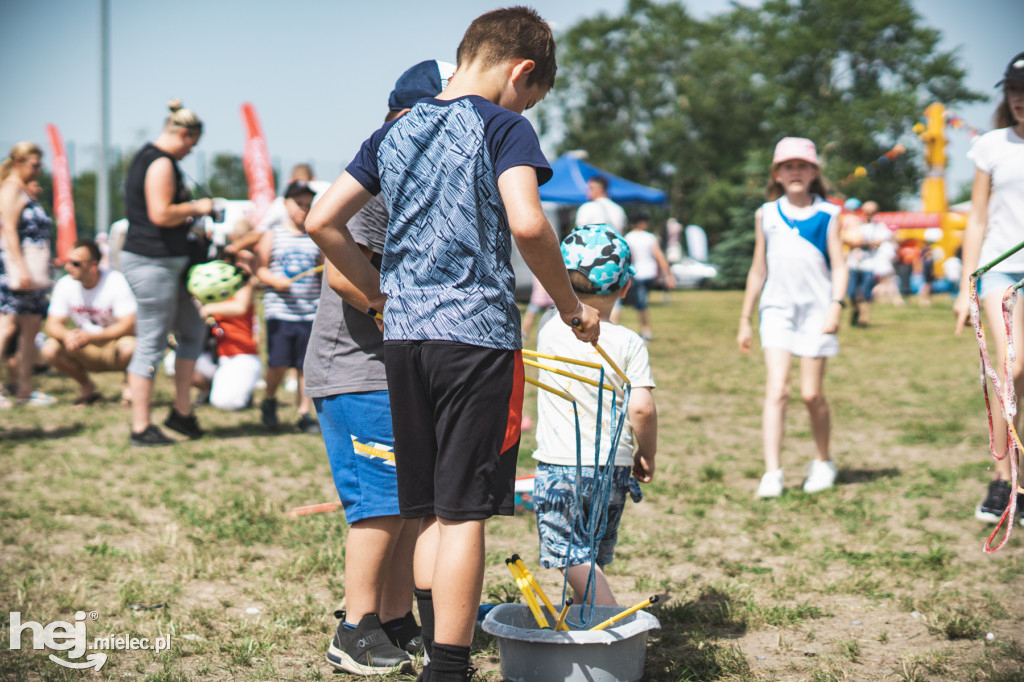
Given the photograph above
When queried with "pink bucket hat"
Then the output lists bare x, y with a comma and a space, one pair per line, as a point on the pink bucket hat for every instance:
795, 148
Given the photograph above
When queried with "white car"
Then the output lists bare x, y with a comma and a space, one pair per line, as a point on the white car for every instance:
692, 274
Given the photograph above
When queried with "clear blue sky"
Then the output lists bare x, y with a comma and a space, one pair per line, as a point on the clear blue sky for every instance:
319, 71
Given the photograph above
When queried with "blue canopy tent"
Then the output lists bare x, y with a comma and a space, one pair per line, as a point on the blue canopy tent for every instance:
568, 185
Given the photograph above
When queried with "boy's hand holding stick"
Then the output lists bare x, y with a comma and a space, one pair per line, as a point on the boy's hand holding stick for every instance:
585, 322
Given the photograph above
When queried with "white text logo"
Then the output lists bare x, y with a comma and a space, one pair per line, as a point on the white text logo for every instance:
71, 637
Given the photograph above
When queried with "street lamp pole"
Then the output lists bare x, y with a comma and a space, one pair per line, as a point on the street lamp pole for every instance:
103, 172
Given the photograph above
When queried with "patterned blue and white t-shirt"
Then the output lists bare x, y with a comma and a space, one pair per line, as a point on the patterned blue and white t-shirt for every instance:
447, 267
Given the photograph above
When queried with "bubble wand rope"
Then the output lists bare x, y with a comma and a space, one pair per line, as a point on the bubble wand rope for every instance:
596, 524
1009, 411
598, 508
590, 590
986, 368
1005, 391
576, 418
976, 319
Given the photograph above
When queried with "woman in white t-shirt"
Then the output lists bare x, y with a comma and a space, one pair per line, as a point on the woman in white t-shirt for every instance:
994, 226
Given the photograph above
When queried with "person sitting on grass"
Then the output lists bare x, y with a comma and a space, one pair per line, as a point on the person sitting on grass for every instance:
91, 321
231, 378
598, 260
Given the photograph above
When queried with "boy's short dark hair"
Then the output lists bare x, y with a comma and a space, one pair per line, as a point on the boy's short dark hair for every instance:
599, 180
512, 33
92, 246
581, 284
297, 188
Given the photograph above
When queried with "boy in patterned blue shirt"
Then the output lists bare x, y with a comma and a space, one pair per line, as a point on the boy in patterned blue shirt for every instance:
459, 174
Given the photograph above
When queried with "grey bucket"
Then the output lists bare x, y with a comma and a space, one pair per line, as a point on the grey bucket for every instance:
529, 654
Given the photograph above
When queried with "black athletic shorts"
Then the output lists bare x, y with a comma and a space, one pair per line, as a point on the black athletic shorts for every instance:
456, 411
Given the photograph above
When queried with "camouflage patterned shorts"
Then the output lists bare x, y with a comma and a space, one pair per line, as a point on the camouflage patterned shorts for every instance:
562, 523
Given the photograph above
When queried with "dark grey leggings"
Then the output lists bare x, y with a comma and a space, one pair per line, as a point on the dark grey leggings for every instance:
164, 306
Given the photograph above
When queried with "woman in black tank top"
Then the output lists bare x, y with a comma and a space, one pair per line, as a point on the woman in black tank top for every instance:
154, 260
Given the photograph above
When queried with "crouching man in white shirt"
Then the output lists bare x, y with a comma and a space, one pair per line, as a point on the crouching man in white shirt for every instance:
91, 321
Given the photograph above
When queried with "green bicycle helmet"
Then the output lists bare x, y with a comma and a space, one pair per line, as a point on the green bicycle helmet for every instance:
215, 281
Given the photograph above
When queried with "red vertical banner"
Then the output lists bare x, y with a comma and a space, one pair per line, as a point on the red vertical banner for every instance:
63, 199
256, 162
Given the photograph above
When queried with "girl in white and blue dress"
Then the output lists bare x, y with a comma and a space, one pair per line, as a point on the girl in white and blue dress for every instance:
800, 275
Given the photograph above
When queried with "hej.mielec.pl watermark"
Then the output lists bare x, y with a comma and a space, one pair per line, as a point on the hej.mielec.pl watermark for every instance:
71, 637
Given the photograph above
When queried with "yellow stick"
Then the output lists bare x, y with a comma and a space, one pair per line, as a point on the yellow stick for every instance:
307, 273
525, 572
531, 601
576, 323
631, 610
564, 373
612, 363
557, 391
560, 623
560, 358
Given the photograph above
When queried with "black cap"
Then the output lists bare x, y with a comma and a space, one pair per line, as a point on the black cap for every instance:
298, 188
1014, 70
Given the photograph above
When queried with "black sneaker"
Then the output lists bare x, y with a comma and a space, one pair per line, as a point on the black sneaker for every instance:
185, 425
991, 510
307, 424
365, 650
268, 413
405, 633
149, 437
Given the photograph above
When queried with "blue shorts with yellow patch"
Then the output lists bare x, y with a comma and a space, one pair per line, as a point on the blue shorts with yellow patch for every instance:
360, 447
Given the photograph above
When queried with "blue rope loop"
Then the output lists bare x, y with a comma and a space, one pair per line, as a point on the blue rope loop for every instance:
596, 522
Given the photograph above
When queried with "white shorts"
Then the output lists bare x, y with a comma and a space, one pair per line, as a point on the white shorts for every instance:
234, 381
797, 329
205, 364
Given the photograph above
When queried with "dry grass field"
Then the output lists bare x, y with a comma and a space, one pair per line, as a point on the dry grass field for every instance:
881, 578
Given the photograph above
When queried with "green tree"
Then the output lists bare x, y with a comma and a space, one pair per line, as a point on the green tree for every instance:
227, 177
83, 187
695, 107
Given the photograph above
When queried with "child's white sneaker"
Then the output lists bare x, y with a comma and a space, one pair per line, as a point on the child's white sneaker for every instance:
820, 476
771, 484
